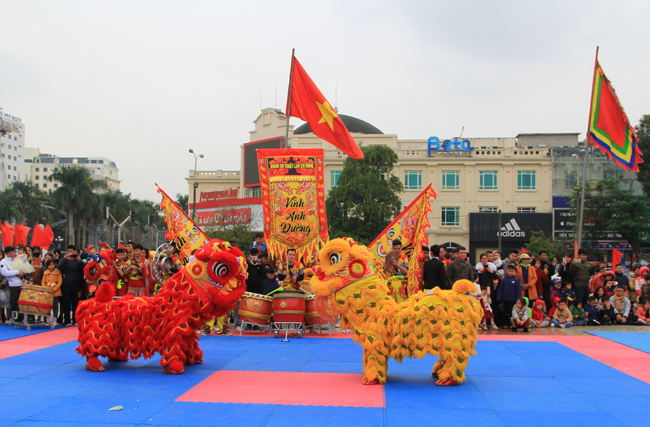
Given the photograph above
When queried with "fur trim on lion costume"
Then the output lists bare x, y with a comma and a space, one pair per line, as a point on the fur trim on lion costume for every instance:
207, 287
442, 323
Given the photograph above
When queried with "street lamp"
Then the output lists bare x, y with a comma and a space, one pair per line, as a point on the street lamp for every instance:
196, 184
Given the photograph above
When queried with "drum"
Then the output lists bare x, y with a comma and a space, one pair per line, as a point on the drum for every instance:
255, 308
36, 300
312, 318
289, 306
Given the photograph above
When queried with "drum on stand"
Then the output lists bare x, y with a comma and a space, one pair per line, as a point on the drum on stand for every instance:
255, 308
36, 300
311, 316
288, 312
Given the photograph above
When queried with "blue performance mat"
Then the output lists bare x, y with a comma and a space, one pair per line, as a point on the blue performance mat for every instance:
636, 340
508, 384
9, 332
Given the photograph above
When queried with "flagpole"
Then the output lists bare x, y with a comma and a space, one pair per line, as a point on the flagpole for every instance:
293, 56
584, 172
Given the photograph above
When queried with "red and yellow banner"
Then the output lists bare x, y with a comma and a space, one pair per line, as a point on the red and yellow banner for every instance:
182, 232
293, 199
410, 228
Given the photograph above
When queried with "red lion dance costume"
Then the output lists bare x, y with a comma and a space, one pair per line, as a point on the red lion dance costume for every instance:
206, 287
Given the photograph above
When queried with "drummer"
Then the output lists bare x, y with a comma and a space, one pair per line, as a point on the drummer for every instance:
291, 273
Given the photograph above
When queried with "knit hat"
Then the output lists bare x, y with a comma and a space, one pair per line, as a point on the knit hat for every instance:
556, 279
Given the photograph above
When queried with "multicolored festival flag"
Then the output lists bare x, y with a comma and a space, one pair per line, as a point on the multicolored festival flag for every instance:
410, 227
307, 102
609, 126
293, 199
182, 232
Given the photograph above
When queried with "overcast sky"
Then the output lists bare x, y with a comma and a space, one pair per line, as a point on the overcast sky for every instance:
141, 82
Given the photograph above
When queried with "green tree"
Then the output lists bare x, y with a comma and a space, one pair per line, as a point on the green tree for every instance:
643, 132
183, 201
541, 242
9, 208
611, 207
365, 200
75, 193
30, 202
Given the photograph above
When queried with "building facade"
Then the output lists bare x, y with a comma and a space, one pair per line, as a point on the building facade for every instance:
469, 175
39, 166
12, 148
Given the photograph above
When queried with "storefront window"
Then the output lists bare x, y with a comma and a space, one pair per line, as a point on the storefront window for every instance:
256, 192
450, 216
488, 209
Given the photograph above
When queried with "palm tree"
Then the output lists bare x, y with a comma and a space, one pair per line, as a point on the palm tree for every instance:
8, 205
182, 201
75, 192
31, 203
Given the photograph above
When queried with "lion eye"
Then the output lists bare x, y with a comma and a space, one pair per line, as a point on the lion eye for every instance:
335, 258
221, 270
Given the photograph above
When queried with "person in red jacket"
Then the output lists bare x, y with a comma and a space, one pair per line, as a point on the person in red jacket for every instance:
539, 320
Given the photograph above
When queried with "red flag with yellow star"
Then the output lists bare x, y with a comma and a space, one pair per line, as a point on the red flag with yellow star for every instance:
308, 103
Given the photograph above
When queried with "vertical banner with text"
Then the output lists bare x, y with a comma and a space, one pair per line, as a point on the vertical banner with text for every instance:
294, 200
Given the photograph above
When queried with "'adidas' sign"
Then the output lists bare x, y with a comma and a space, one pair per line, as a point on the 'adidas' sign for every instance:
511, 229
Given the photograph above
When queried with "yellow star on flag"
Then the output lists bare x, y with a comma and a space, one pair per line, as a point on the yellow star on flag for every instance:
328, 114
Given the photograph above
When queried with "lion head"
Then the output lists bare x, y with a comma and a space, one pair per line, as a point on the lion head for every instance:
341, 261
220, 269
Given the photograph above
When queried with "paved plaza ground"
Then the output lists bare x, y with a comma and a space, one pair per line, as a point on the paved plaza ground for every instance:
550, 377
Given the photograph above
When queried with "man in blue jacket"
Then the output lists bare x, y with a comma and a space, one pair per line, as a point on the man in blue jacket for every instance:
73, 276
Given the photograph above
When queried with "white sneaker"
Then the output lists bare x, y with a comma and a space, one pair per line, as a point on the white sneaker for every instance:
562, 325
552, 325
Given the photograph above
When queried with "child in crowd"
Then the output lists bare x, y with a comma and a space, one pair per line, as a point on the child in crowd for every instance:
509, 290
621, 305
520, 317
600, 295
486, 277
539, 320
579, 315
556, 289
21, 262
606, 314
642, 281
592, 311
270, 281
551, 312
52, 279
562, 316
568, 293
643, 311
120, 265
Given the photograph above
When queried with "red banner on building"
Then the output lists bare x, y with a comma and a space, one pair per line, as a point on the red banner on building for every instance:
293, 199
232, 216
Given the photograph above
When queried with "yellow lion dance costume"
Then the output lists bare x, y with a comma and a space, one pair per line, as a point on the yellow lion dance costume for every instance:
443, 323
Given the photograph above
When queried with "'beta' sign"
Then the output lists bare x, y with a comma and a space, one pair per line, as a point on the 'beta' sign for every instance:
435, 145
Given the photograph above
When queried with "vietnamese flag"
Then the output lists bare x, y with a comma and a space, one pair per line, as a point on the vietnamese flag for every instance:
308, 103
523, 250
21, 234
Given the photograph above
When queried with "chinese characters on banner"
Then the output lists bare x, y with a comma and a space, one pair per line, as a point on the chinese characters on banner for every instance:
183, 233
410, 227
293, 200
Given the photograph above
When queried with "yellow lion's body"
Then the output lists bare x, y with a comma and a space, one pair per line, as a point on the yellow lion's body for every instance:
442, 323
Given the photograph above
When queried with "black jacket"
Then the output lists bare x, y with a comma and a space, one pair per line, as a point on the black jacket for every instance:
487, 278
72, 270
255, 280
456, 272
434, 274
